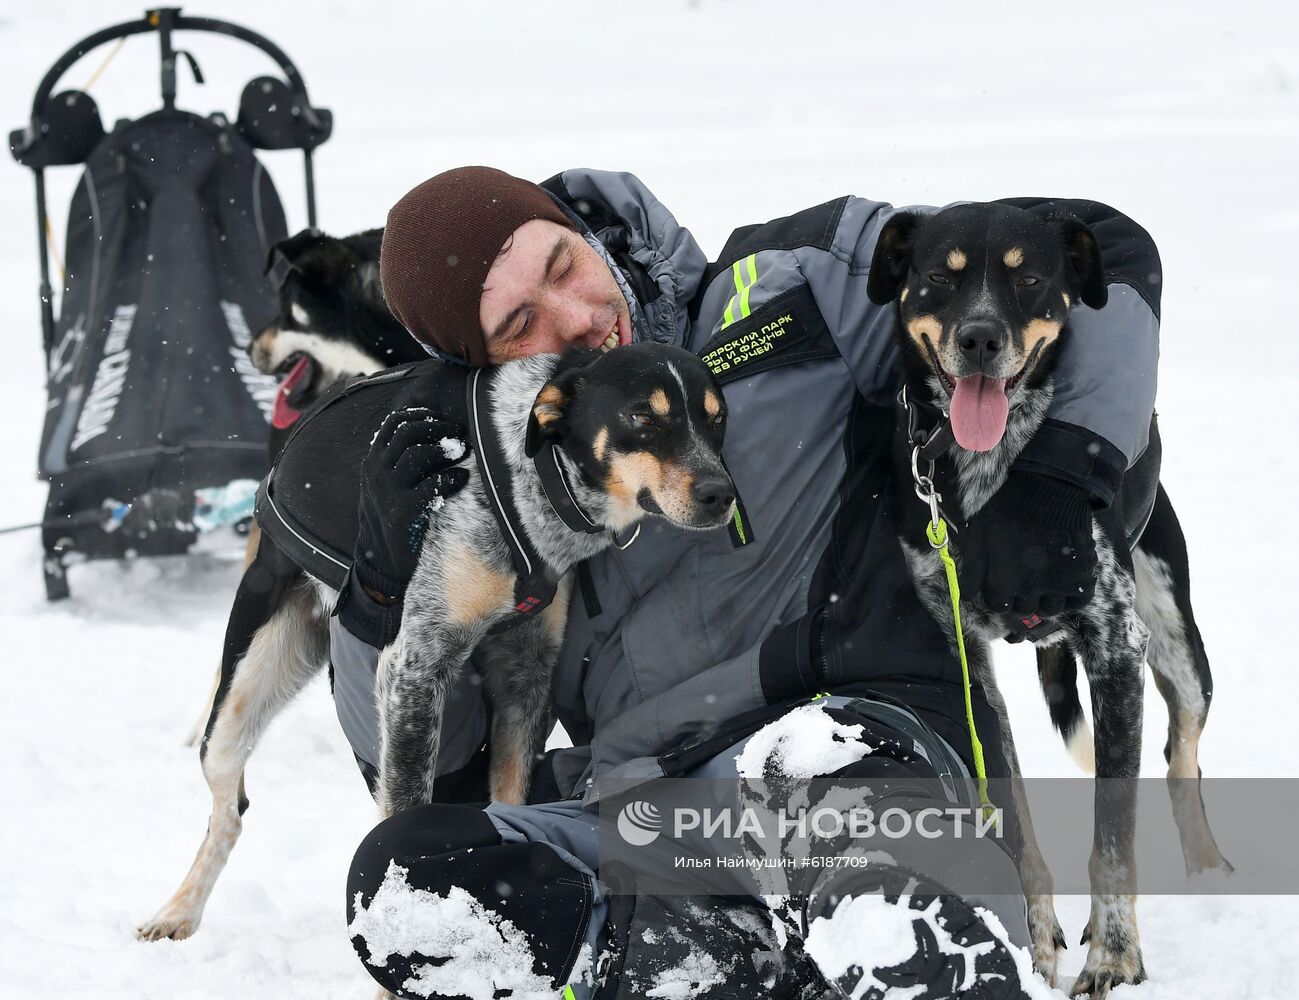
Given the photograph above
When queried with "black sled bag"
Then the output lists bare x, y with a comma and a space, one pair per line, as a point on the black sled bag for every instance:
151, 391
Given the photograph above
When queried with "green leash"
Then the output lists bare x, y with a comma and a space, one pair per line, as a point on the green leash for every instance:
936, 531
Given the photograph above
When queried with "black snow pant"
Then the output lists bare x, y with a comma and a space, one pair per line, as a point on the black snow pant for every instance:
446, 900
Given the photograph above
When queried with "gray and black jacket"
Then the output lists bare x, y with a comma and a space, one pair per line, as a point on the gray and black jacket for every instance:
683, 640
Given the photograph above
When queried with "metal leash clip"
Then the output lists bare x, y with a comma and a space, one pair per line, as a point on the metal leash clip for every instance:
924, 486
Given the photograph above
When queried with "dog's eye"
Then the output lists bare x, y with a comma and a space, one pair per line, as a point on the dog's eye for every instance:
1027, 281
939, 279
640, 419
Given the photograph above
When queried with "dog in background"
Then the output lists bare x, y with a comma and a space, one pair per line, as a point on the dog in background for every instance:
983, 292
332, 324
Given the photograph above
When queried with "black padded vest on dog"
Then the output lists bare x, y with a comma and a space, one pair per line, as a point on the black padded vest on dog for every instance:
307, 504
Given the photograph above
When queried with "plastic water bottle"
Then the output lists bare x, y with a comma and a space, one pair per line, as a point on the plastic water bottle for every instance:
215, 506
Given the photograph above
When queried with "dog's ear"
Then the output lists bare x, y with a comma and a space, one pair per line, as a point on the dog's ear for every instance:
892, 258
1083, 259
330, 267
293, 247
547, 422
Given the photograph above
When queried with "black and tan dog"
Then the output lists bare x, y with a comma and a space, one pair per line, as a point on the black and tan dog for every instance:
332, 323
983, 293
567, 452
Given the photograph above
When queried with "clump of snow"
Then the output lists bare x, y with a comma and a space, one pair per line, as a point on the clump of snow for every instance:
485, 953
870, 933
696, 974
864, 932
584, 971
1033, 985
801, 744
453, 448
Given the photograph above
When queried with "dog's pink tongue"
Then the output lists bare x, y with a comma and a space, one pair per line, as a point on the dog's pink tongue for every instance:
979, 410
285, 415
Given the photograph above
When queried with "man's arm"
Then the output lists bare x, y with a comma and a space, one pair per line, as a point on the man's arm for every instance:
1099, 421
1098, 424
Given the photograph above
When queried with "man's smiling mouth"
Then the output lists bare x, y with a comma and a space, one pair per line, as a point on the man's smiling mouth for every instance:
616, 336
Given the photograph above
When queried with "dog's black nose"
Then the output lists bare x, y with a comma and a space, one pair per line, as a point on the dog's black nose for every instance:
713, 492
980, 339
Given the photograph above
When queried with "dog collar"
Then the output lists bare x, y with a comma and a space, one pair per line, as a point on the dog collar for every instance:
554, 483
938, 438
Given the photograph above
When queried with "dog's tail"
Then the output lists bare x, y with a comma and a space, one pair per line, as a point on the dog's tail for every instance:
1057, 672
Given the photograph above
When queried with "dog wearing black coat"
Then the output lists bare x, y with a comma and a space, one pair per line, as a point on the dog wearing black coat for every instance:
983, 294
332, 323
612, 437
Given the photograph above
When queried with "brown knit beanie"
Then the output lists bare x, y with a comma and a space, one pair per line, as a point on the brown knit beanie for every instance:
440, 241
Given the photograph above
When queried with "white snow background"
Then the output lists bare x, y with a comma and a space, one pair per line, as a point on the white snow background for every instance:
1184, 115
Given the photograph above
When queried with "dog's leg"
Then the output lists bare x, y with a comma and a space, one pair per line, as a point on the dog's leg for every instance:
200, 724
451, 601
1181, 670
520, 663
415, 673
283, 655
1057, 673
1111, 644
1039, 886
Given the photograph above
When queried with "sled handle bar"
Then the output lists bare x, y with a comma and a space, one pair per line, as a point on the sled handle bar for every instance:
165, 20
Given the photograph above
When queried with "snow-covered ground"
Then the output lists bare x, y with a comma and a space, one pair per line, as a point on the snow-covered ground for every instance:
1186, 116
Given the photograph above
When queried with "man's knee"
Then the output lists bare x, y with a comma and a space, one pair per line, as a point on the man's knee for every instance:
416, 833
421, 877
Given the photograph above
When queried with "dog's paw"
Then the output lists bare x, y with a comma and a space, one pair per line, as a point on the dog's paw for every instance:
168, 924
1104, 970
1047, 937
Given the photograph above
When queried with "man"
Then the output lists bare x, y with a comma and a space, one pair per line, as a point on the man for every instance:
683, 647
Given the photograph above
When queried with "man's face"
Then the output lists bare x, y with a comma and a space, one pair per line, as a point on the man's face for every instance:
547, 291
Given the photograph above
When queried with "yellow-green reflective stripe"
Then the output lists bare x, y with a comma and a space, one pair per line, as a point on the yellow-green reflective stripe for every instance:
752, 262
739, 526
739, 277
568, 993
740, 270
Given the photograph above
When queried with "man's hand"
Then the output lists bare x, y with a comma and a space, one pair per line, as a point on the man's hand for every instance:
411, 468
1030, 549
